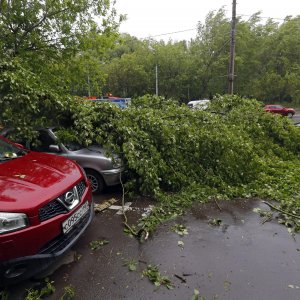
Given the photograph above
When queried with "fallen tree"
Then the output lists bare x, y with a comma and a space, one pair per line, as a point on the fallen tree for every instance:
178, 156
171, 153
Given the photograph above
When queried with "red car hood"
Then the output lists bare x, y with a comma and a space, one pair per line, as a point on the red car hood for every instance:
30, 181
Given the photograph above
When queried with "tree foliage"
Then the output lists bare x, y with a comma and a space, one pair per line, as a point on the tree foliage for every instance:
25, 103
62, 41
41, 26
266, 61
166, 146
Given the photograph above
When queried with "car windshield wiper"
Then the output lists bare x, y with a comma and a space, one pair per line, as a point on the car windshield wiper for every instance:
21, 153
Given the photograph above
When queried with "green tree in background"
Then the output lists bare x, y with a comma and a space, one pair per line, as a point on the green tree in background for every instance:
266, 61
49, 37
283, 63
252, 38
171, 60
126, 76
51, 28
212, 43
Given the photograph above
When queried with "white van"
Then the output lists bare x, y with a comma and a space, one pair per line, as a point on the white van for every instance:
199, 104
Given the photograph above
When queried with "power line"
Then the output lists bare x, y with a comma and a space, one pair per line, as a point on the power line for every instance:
242, 15
169, 33
191, 29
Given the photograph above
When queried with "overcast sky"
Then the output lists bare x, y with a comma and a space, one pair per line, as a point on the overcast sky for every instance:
147, 18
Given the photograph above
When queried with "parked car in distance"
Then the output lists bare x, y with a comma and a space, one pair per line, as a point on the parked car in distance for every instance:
279, 109
199, 104
100, 169
45, 206
122, 103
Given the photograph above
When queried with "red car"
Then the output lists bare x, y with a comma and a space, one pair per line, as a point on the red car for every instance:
45, 206
279, 109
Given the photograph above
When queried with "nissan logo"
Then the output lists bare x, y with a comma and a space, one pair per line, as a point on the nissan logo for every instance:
69, 198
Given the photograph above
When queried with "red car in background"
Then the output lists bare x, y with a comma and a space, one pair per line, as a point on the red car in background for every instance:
279, 109
45, 206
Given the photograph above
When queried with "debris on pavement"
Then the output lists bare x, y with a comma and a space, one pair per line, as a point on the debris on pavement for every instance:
100, 207
95, 245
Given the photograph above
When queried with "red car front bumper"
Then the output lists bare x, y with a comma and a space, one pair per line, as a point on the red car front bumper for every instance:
27, 252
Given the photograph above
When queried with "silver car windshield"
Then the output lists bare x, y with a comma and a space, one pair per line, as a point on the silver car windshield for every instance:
70, 145
73, 146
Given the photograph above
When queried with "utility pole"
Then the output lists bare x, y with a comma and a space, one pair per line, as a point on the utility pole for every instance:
156, 80
89, 85
232, 49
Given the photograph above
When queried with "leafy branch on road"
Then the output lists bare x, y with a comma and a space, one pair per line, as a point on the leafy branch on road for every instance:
152, 272
96, 245
131, 264
37, 294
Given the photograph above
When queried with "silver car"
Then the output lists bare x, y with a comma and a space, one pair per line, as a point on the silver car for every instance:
100, 169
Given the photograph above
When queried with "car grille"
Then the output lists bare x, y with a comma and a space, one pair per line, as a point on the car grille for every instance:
55, 207
81, 188
63, 240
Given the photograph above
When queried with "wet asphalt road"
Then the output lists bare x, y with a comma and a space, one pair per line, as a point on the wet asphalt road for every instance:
241, 259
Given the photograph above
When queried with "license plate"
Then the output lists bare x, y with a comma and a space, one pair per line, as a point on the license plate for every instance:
68, 224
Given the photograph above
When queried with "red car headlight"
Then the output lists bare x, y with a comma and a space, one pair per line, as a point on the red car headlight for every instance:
12, 222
